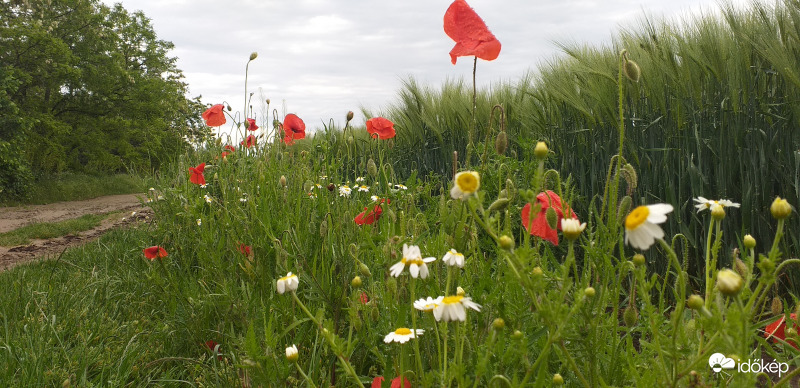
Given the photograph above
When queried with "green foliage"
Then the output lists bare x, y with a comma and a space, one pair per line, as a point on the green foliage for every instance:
46, 230
14, 170
96, 85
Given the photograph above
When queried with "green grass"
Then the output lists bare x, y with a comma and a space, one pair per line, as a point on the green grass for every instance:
45, 230
73, 187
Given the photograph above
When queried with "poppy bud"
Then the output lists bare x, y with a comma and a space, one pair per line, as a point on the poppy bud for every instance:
323, 228
308, 186
219, 141
557, 379
372, 169
541, 150
624, 206
729, 283
331, 187
631, 70
350, 140
253, 55
364, 270
391, 285
791, 332
283, 181
391, 215
695, 302
498, 324
740, 267
552, 217
503, 194
229, 108
777, 306
460, 291
780, 208
356, 282
499, 204
374, 313
630, 316
506, 242
749, 241
268, 101
501, 143
512, 190
589, 292
638, 259
350, 115
629, 174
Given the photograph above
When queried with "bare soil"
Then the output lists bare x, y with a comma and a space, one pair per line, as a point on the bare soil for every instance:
11, 218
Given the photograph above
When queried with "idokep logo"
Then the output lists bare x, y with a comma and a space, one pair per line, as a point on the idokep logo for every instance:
718, 362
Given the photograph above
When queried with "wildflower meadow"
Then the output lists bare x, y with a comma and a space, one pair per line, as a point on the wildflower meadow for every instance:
368, 257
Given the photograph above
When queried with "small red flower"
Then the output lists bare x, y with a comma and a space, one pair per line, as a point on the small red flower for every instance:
154, 252
776, 330
245, 249
540, 227
230, 148
212, 345
197, 174
373, 215
249, 141
251, 125
472, 37
294, 128
380, 128
364, 298
214, 116
376, 382
396, 382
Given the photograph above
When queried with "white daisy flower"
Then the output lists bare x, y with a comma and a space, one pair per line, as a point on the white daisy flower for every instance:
465, 184
345, 190
291, 353
703, 204
452, 257
363, 188
199, 222
319, 186
375, 198
360, 179
323, 177
243, 199
641, 229
160, 197
572, 228
208, 198
417, 266
402, 335
401, 187
426, 304
203, 186
453, 308
287, 283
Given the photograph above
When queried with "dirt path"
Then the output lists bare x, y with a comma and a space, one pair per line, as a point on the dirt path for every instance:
15, 217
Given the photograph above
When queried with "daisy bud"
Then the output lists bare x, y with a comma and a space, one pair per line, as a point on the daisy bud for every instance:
364, 270
630, 316
780, 208
572, 228
460, 291
501, 143
372, 169
589, 292
557, 379
506, 242
717, 212
552, 217
517, 335
499, 204
749, 241
729, 283
498, 324
350, 115
638, 259
695, 302
777, 306
766, 265
283, 181
356, 282
541, 150
537, 272
291, 354
631, 70
740, 267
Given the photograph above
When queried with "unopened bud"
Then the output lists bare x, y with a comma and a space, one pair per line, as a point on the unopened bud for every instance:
499, 204
749, 241
308, 186
777, 306
740, 267
638, 259
253, 55
541, 150
630, 316
460, 291
364, 270
323, 228
729, 283
631, 70
624, 206
356, 282
350, 140
589, 292
372, 169
283, 181
350, 115
790, 332
629, 175
506, 242
695, 302
517, 335
717, 212
498, 324
557, 379
537, 272
780, 208
501, 143
552, 217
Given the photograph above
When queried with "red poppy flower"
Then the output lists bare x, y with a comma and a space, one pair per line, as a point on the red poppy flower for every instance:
230, 148
540, 227
211, 344
197, 174
364, 298
472, 37
251, 125
396, 382
249, 141
777, 329
377, 382
225, 154
214, 116
373, 215
380, 128
245, 249
294, 128
154, 252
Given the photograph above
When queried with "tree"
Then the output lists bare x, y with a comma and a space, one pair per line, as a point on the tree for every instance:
97, 85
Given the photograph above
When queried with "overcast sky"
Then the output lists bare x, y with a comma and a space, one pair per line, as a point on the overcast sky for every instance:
321, 58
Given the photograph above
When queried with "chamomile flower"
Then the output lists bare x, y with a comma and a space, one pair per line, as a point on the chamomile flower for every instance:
208, 198
426, 304
465, 184
641, 229
319, 186
287, 283
375, 198
454, 308
203, 186
400, 187
344, 191
323, 177
199, 222
572, 228
703, 204
402, 335
417, 266
360, 179
291, 353
363, 188
452, 257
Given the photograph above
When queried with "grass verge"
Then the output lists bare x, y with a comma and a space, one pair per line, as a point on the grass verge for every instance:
45, 230
74, 187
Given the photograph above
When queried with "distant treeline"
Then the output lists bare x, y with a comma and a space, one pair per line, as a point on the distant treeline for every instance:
86, 88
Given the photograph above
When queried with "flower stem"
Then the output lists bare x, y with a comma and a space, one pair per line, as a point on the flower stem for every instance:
708, 262
305, 376
414, 329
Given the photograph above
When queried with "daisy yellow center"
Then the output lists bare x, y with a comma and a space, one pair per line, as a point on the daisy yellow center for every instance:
452, 299
402, 331
637, 217
412, 261
467, 183
285, 278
